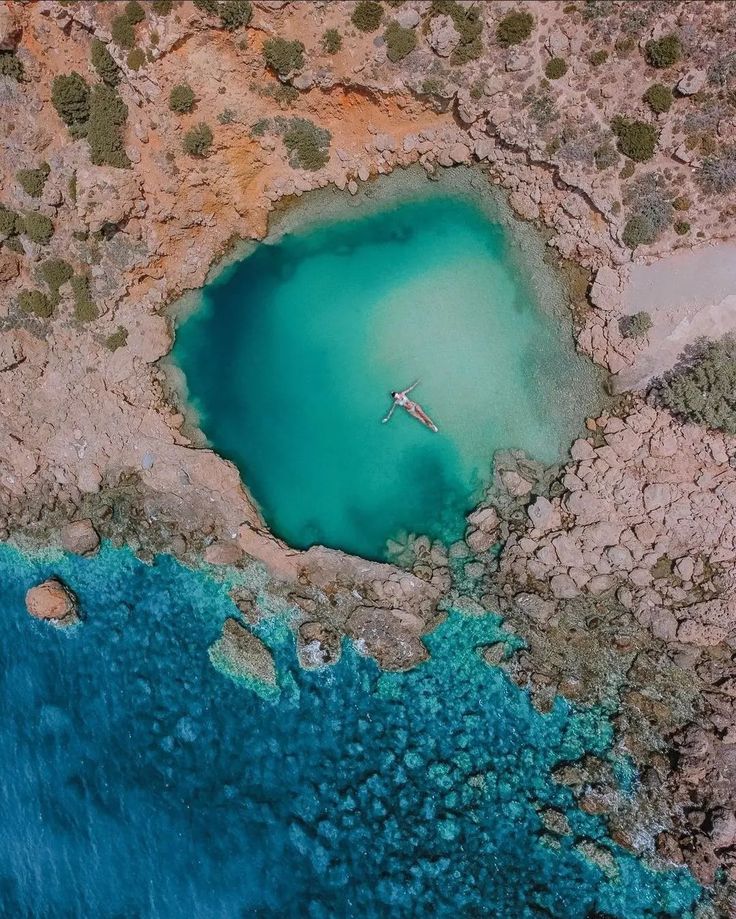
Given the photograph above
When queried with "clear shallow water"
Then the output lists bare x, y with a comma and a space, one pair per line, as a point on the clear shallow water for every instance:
290, 360
138, 781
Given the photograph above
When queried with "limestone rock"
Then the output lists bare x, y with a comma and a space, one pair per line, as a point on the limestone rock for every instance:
388, 636
407, 18
524, 206
242, 654
223, 553
544, 516
80, 537
443, 37
317, 645
605, 294
53, 602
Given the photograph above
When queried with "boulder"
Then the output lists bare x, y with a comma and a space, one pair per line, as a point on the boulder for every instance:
317, 646
563, 587
10, 29
52, 602
408, 18
443, 37
524, 206
544, 515
692, 82
80, 537
459, 153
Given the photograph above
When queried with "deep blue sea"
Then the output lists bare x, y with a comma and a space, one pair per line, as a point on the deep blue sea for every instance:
138, 781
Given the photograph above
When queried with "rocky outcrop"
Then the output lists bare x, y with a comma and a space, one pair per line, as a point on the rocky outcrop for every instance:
52, 602
243, 655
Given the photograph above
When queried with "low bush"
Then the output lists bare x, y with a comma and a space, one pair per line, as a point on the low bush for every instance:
636, 326
85, 310
118, 339
10, 223
433, 86
681, 203
703, 390
367, 15
136, 59
682, 227
283, 56
226, 116
718, 173
11, 66
663, 52
659, 98
55, 272
36, 303
514, 28
162, 7
307, 144
331, 41
638, 232
636, 139
400, 42
198, 140
134, 12
32, 181
38, 228
70, 98
108, 113
555, 68
123, 33
624, 45
181, 98
605, 156
598, 57
104, 63
234, 14
650, 207
207, 6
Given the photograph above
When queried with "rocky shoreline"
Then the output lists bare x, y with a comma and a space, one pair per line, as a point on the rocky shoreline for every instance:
618, 570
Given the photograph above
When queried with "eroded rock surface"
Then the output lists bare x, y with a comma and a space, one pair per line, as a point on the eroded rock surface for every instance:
52, 602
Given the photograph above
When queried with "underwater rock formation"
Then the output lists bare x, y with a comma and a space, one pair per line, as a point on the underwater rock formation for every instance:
243, 655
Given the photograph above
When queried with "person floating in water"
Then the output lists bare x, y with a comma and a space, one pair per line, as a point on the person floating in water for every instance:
413, 408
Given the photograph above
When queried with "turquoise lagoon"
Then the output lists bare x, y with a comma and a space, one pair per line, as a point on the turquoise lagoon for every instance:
290, 358
138, 781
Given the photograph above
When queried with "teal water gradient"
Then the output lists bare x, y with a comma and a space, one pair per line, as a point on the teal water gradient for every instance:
138, 781
290, 360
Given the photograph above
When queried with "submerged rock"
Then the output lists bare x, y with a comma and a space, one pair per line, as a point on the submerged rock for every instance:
241, 654
317, 645
80, 537
52, 602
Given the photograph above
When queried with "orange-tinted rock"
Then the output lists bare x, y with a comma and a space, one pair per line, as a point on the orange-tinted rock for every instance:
52, 602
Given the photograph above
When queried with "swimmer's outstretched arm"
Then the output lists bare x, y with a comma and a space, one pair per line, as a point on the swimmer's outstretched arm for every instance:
390, 413
415, 383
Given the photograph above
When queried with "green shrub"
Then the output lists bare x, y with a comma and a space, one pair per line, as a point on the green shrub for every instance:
162, 7
636, 326
70, 98
638, 232
718, 173
331, 41
38, 228
367, 15
104, 63
123, 33
308, 145
10, 66
118, 339
32, 181
598, 57
605, 156
514, 28
35, 302
134, 12
108, 113
55, 272
207, 6
704, 391
283, 56
432, 86
651, 209
399, 41
181, 98
226, 116
198, 140
85, 309
234, 14
663, 52
681, 203
10, 223
555, 68
659, 98
636, 139
136, 59
627, 170
682, 227
259, 128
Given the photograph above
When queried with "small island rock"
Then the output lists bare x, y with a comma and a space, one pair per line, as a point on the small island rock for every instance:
53, 602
